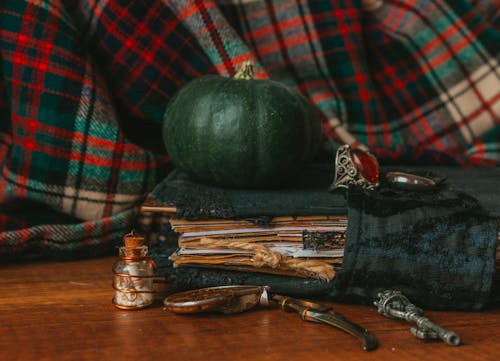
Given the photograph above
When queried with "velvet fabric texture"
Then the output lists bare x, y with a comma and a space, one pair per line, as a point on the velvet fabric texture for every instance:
305, 195
436, 247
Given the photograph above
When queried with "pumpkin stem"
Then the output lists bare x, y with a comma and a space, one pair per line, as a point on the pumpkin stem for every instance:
246, 71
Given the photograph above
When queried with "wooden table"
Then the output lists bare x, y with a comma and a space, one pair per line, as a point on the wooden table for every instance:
63, 311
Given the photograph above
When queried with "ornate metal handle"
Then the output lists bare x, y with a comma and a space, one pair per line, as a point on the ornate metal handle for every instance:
316, 312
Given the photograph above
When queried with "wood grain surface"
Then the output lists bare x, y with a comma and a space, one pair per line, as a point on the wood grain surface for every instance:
63, 311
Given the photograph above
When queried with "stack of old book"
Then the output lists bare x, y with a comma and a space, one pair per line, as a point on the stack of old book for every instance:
296, 231
304, 246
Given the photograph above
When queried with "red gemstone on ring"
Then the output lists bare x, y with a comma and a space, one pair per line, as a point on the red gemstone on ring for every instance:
366, 164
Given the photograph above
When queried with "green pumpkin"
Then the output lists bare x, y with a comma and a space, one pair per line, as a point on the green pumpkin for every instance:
240, 132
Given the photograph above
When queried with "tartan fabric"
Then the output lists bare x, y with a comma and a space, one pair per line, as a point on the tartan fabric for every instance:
84, 84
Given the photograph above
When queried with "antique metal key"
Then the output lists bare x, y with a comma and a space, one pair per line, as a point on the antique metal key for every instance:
394, 304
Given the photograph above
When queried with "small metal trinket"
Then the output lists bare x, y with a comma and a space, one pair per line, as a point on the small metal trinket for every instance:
393, 304
410, 181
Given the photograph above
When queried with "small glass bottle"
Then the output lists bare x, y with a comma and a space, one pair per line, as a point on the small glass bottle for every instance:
133, 274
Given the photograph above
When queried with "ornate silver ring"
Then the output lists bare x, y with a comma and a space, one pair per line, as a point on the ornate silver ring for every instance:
355, 166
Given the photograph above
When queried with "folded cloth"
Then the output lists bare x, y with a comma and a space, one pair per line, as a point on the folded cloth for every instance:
82, 101
305, 195
437, 247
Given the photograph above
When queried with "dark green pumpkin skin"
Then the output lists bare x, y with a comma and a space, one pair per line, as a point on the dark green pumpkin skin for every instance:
240, 133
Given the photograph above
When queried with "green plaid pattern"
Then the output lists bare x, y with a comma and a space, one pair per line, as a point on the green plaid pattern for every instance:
84, 84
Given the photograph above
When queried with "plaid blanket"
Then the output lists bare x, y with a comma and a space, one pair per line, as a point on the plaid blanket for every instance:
84, 84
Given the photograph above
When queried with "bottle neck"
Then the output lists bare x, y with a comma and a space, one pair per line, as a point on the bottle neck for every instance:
133, 252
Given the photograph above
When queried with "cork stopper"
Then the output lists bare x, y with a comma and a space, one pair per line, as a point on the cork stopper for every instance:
133, 240
134, 245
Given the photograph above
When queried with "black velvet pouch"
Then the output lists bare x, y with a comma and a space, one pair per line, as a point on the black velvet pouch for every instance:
437, 247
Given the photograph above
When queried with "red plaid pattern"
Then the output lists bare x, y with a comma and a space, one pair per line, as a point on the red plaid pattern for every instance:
85, 83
